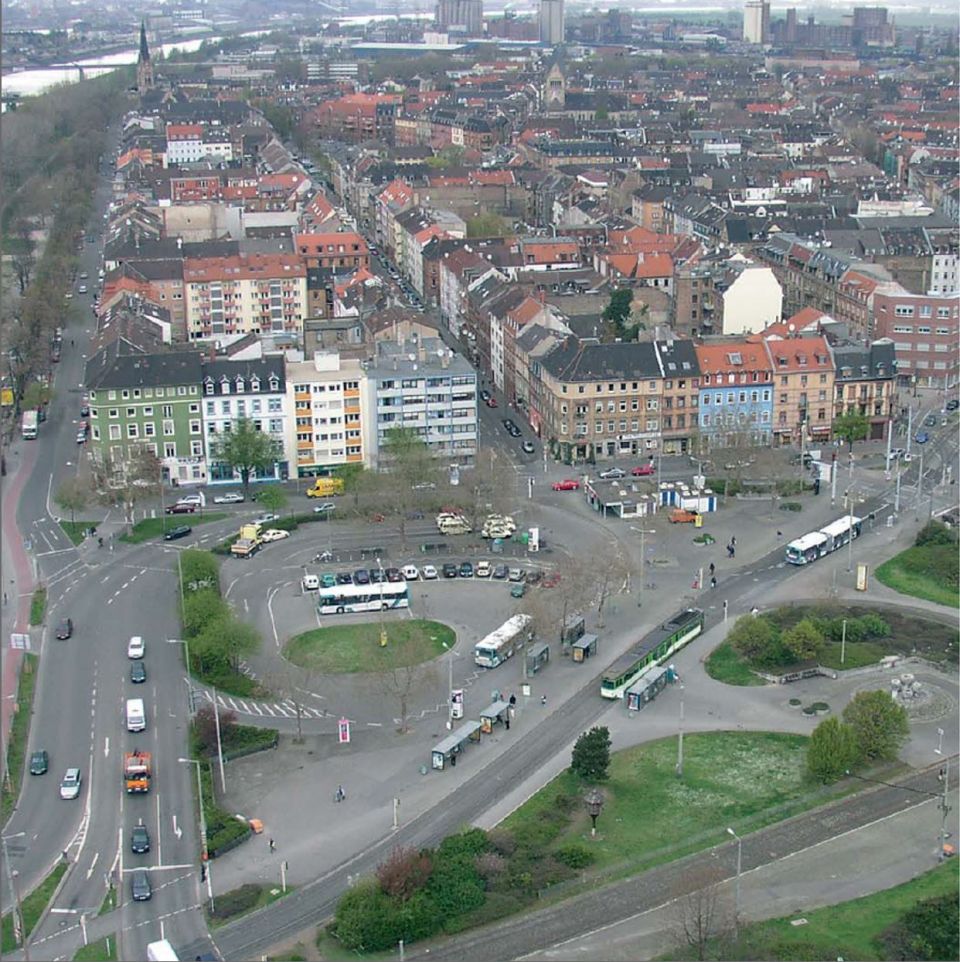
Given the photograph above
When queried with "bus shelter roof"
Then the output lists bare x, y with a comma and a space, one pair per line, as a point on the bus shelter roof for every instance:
456, 738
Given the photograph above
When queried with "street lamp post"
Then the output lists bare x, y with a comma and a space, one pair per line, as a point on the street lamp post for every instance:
736, 897
383, 629
643, 533
12, 876
204, 855
680, 738
594, 801
843, 642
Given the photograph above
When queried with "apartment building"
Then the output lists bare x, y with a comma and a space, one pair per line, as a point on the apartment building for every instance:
599, 401
680, 405
189, 143
865, 382
254, 389
228, 297
342, 251
460, 271
328, 398
422, 385
803, 389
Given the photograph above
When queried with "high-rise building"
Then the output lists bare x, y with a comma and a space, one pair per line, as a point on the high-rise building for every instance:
144, 63
460, 16
551, 21
756, 21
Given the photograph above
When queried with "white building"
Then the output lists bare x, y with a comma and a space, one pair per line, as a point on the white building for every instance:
551, 21
750, 297
756, 21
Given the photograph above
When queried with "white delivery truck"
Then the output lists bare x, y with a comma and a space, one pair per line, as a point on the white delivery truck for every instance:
136, 718
161, 951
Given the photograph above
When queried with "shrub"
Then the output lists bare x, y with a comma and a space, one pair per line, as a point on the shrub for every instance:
879, 725
874, 625
404, 873
237, 901
935, 532
365, 919
926, 931
468, 844
455, 885
831, 751
502, 840
566, 803
803, 641
574, 856
490, 865
205, 729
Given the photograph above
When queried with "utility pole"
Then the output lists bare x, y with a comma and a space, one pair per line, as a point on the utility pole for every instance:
680, 737
945, 809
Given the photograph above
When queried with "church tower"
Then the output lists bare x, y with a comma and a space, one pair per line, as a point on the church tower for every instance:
144, 63
555, 89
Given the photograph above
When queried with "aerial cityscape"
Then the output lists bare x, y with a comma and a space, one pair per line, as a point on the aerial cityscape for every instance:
479, 480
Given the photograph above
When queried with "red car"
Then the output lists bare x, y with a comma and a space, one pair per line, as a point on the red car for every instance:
551, 580
180, 509
491, 402
568, 485
643, 470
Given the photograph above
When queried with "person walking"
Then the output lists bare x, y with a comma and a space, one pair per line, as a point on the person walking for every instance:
713, 582
341, 794
273, 845
543, 699
713, 568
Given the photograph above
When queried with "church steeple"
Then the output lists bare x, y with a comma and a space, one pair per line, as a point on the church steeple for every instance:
144, 63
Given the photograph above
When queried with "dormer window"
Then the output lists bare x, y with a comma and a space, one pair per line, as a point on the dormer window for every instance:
255, 384
240, 385
224, 386
274, 384
208, 387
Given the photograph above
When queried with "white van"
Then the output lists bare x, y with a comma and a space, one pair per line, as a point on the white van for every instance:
136, 718
310, 582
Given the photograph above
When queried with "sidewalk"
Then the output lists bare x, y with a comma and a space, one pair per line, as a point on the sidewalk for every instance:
18, 582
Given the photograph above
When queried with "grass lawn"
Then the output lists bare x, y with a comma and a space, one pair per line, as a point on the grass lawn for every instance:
74, 529
38, 606
743, 779
724, 664
848, 930
928, 572
154, 527
345, 649
19, 730
33, 906
103, 951
267, 894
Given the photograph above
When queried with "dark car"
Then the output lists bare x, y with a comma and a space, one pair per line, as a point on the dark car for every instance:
534, 576
953, 404
466, 569
139, 840
509, 425
394, 575
361, 577
65, 629
377, 575
921, 437
500, 572
140, 886
180, 509
39, 763
344, 578
930, 421
180, 531
527, 447
138, 672
484, 395
449, 570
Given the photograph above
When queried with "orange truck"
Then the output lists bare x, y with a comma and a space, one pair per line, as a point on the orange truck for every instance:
136, 771
682, 516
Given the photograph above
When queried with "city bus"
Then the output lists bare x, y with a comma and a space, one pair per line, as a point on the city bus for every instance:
816, 544
659, 645
347, 599
499, 645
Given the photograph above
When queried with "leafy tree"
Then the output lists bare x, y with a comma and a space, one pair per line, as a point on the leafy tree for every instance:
879, 725
124, 483
72, 496
754, 637
832, 750
201, 609
246, 449
936, 532
273, 498
851, 426
928, 931
404, 872
205, 728
804, 641
617, 311
200, 570
488, 224
591, 755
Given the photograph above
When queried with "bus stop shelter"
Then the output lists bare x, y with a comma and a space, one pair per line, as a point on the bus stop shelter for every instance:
492, 714
537, 657
584, 647
453, 744
646, 689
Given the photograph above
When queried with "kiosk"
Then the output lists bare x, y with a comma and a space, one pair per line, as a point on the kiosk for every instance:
452, 745
584, 647
646, 689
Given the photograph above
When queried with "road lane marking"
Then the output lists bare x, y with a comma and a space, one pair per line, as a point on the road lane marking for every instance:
106, 747
93, 864
256, 708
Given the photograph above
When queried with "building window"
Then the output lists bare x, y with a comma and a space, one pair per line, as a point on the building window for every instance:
133, 431
168, 429
169, 449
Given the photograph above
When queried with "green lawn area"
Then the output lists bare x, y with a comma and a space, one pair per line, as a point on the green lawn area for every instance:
724, 664
928, 572
154, 527
19, 731
103, 951
33, 906
344, 649
232, 905
847, 931
742, 779
74, 529
38, 606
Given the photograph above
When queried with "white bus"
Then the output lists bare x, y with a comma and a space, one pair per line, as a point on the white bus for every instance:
816, 544
499, 645
136, 718
346, 599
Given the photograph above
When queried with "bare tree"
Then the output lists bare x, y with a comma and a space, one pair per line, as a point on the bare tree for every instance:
124, 483
292, 684
700, 910
609, 576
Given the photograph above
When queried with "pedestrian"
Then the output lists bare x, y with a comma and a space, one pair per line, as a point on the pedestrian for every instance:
4, 597
779, 534
733, 540
543, 699
713, 567
506, 723
99, 542
513, 699
273, 845
713, 582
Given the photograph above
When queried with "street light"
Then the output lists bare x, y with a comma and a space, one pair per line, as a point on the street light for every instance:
736, 897
680, 737
204, 855
383, 629
594, 801
453, 655
13, 875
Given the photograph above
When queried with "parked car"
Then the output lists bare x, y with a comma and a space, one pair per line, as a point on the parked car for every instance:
491, 402
411, 573
324, 508
81, 437
180, 508
534, 576
930, 421
180, 531
613, 474
921, 437
516, 574
344, 578
483, 569
500, 572
377, 576
65, 629
310, 582
139, 840
450, 570
527, 447
70, 785
138, 672
140, 886
274, 534
328, 580
551, 580
265, 518
953, 404
485, 396
644, 470
466, 569
231, 497
568, 484
429, 573
394, 575
39, 763
518, 590
361, 576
